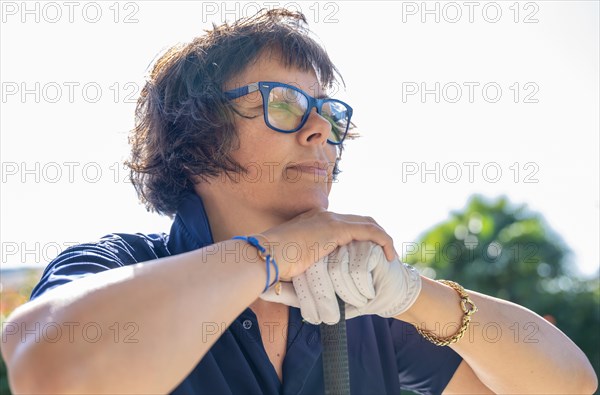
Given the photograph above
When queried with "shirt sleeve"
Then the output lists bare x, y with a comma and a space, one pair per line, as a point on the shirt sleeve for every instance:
110, 252
423, 367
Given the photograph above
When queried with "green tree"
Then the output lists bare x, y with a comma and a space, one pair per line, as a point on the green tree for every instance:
508, 251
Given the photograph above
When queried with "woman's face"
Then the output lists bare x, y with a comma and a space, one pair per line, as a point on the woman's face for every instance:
283, 168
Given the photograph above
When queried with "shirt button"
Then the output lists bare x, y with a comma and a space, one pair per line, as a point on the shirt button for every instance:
247, 324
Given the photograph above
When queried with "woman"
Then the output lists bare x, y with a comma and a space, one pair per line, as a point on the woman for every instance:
222, 143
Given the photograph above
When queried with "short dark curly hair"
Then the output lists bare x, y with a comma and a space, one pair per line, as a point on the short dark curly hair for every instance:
184, 127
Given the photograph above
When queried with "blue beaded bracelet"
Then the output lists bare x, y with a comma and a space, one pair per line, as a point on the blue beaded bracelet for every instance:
262, 252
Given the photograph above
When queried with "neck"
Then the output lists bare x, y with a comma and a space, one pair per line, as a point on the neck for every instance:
228, 219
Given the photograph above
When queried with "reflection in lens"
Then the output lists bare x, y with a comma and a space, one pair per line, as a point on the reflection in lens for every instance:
286, 108
337, 115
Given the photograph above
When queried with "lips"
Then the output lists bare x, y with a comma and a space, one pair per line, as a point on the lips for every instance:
311, 167
314, 163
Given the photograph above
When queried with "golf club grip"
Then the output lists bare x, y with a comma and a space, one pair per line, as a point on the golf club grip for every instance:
335, 355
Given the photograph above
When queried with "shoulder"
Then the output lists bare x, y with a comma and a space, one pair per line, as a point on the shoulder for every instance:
138, 247
121, 248
108, 252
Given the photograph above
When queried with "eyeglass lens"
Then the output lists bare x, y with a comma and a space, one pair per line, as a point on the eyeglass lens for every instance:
286, 108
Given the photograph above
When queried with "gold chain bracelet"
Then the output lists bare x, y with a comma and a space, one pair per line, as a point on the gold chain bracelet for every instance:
468, 308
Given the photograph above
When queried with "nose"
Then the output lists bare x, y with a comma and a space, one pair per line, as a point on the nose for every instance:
316, 130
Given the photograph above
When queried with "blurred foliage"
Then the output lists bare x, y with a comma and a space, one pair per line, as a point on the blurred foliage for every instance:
509, 252
10, 299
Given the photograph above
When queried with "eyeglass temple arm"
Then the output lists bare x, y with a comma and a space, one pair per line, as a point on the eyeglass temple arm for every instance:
241, 91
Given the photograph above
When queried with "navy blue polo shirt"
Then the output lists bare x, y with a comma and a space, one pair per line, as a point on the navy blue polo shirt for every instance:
384, 354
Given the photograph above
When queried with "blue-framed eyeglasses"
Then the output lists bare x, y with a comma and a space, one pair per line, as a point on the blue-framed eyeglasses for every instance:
286, 108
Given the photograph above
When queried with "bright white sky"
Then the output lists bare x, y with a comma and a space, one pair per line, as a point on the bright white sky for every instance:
51, 152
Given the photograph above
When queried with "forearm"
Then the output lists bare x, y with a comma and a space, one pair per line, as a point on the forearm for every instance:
510, 348
177, 307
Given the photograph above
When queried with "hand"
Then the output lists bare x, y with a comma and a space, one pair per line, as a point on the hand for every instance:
299, 243
362, 278
394, 288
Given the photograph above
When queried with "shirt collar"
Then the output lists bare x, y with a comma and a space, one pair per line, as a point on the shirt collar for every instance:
190, 229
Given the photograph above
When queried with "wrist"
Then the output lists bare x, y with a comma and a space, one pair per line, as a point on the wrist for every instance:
442, 313
250, 264
272, 244
265, 255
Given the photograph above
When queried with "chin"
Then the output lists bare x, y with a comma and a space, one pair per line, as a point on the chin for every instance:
301, 204
316, 202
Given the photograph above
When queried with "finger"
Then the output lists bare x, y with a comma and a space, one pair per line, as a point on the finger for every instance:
308, 307
368, 231
340, 274
356, 218
390, 252
361, 266
361, 219
323, 293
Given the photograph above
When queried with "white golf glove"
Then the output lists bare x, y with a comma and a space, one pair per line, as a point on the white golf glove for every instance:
362, 277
